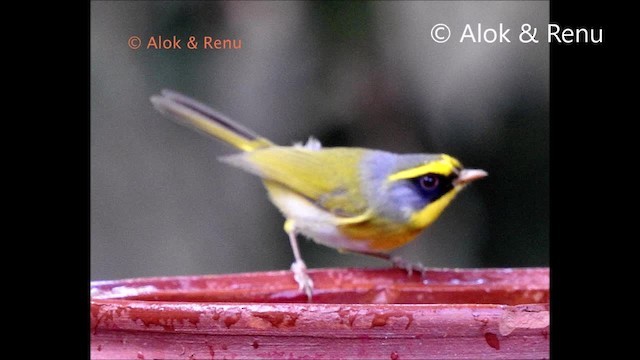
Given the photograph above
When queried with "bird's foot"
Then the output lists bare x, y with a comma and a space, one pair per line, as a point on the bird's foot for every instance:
305, 283
408, 266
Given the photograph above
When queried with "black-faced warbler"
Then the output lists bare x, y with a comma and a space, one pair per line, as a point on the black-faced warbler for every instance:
352, 199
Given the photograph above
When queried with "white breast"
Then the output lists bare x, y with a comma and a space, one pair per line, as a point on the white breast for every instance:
312, 221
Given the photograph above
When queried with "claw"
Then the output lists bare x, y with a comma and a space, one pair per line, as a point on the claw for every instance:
300, 275
409, 267
298, 267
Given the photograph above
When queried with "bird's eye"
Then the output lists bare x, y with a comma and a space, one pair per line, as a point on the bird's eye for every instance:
429, 182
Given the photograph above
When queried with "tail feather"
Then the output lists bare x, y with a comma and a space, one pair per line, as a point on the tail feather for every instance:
189, 112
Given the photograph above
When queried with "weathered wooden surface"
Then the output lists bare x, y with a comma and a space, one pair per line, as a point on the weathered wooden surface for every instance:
355, 314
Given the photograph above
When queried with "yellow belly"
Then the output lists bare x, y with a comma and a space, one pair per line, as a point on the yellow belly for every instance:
381, 236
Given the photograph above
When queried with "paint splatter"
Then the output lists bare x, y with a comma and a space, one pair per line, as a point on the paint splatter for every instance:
230, 320
492, 340
211, 351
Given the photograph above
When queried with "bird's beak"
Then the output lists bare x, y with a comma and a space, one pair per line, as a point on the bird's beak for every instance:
469, 175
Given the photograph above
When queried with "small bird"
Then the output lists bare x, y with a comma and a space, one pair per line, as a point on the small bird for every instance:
351, 199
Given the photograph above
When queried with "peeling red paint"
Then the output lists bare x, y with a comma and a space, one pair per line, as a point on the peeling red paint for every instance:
278, 319
381, 319
262, 314
231, 320
348, 315
166, 318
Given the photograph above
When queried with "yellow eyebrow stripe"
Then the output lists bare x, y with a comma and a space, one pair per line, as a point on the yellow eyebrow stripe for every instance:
445, 166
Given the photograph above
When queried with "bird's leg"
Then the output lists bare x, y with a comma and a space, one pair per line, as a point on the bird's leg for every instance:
398, 262
298, 267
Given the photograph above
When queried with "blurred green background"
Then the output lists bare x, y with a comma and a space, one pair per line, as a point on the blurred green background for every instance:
350, 73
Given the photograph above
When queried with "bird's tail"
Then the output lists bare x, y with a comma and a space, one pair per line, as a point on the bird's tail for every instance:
192, 113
